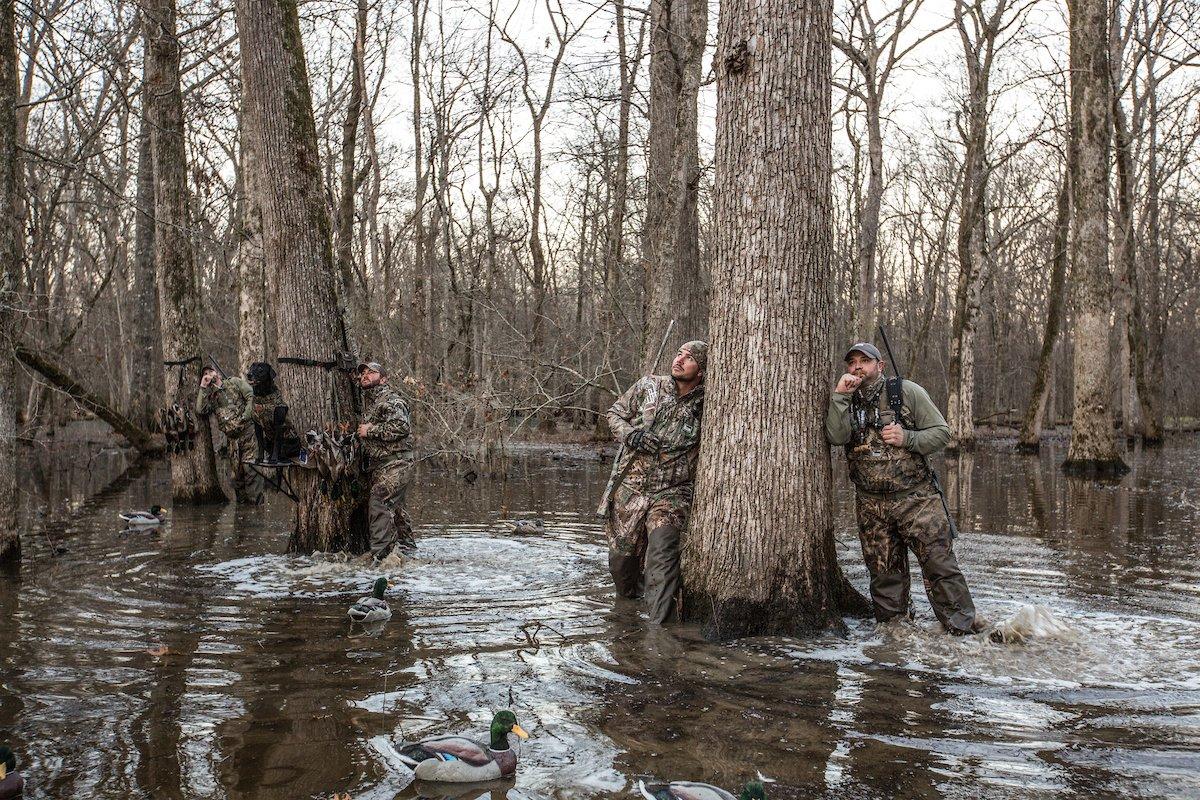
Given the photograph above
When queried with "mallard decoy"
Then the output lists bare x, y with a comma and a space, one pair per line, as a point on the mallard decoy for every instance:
373, 608
688, 790
527, 526
456, 759
11, 782
143, 519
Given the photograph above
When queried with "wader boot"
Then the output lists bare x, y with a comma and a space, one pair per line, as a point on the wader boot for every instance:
389, 522
626, 569
662, 573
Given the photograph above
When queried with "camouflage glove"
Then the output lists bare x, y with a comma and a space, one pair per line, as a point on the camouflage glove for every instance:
643, 441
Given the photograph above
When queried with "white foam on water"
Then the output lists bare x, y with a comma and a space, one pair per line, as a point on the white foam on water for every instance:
1034, 622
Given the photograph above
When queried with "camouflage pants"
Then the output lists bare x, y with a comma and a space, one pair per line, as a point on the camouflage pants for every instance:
389, 522
887, 528
644, 544
247, 484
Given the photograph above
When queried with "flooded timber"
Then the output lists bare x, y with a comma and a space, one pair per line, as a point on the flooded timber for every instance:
198, 661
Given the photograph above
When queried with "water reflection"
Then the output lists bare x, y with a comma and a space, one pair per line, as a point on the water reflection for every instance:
197, 661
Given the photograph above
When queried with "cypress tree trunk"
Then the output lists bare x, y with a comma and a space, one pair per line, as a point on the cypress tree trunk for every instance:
148, 388
759, 556
255, 326
10, 231
1093, 446
671, 251
194, 471
1030, 440
298, 250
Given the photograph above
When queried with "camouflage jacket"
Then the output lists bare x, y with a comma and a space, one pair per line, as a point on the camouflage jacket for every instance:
876, 467
264, 416
653, 403
390, 437
232, 403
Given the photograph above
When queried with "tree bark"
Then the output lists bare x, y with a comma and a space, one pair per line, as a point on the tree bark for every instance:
147, 388
352, 294
298, 249
1031, 428
1093, 448
759, 558
10, 233
671, 250
255, 324
422, 317
193, 471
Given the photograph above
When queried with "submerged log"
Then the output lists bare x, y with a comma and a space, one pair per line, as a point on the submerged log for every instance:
43, 364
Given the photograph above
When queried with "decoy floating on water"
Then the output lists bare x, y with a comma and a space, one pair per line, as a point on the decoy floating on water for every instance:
688, 790
527, 526
11, 782
373, 608
456, 759
143, 519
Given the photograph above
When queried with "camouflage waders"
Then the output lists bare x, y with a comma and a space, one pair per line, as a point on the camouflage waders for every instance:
887, 528
247, 483
389, 523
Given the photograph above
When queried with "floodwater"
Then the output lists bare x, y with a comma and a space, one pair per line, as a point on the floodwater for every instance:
265, 690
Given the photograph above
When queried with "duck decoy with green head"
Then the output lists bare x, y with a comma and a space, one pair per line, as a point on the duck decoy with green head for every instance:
373, 608
456, 759
144, 519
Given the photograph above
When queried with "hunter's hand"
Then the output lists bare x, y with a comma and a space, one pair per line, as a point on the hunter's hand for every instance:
205, 381
643, 442
893, 434
364, 429
848, 383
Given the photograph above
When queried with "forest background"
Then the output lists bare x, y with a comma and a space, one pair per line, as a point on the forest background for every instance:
520, 200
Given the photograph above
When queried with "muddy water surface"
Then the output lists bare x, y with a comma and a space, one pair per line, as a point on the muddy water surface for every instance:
265, 690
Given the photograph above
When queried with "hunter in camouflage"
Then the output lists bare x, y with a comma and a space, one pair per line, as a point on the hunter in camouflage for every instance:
386, 436
231, 402
897, 506
649, 494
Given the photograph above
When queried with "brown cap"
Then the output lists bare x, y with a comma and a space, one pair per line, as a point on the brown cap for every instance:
372, 366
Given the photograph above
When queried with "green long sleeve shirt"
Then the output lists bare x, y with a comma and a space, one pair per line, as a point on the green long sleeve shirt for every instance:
929, 432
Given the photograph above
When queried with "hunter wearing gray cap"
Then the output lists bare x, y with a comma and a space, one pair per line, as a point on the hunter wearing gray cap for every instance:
386, 435
897, 506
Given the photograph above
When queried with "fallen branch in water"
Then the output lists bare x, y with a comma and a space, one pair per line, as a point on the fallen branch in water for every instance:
61, 380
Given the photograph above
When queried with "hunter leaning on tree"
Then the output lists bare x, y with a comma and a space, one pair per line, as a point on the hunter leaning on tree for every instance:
232, 403
649, 495
897, 504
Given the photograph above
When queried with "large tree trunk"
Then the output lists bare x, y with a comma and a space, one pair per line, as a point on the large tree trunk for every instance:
1031, 428
352, 292
1149, 307
194, 471
1093, 447
671, 250
255, 325
146, 357
298, 249
867, 241
10, 233
1126, 254
759, 557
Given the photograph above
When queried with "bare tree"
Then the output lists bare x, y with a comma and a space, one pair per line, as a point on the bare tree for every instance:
874, 49
671, 249
194, 470
298, 249
1093, 449
759, 556
10, 233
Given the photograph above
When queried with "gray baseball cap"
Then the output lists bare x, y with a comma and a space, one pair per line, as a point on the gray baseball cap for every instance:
867, 349
373, 366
